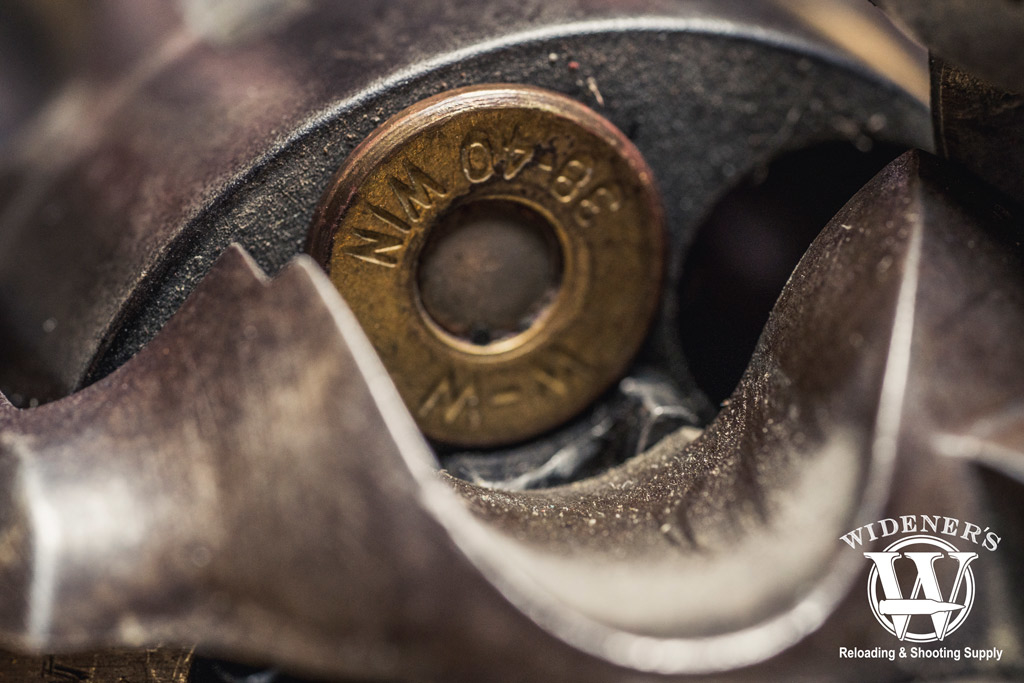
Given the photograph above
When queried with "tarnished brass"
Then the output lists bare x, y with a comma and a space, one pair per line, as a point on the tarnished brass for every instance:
153, 665
502, 246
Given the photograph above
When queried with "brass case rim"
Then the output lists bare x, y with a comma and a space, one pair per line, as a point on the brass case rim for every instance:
584, 257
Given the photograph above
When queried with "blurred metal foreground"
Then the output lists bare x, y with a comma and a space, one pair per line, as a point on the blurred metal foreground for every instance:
251, 481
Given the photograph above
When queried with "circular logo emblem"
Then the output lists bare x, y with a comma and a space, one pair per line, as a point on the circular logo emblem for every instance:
921, 582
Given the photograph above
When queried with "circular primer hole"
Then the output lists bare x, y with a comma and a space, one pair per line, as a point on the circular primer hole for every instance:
488, 270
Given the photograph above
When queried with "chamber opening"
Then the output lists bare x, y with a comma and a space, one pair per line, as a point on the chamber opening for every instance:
749, 244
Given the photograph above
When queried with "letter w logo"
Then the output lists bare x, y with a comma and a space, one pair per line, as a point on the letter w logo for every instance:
898, 610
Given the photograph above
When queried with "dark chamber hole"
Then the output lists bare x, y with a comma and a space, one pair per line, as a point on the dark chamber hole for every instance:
205, 670
749, 245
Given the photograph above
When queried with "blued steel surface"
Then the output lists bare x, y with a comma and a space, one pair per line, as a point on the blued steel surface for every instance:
981, 37
980, 126
977, 78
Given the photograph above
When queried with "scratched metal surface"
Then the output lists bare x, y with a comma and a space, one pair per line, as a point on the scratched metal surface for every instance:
156, 665
191, 489
979, 36
195, 129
